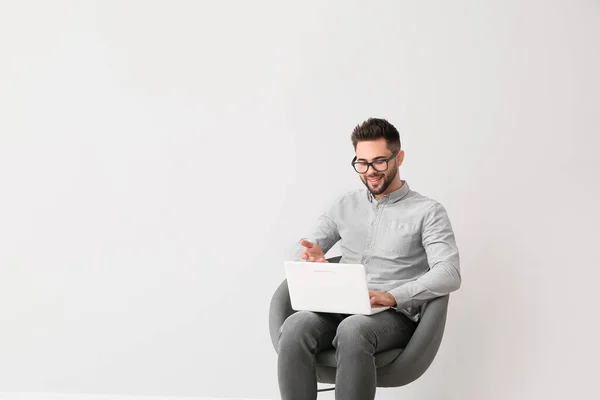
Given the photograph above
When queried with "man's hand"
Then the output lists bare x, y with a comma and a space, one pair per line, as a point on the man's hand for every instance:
381, 299
312, 252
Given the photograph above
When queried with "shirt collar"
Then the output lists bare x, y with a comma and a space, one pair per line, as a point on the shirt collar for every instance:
396, 195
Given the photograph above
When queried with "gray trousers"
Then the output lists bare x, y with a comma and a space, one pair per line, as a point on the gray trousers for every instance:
356, 339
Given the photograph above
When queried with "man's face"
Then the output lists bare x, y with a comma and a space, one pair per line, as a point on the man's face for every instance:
378, 181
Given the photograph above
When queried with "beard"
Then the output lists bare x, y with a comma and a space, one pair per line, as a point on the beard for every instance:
384, 181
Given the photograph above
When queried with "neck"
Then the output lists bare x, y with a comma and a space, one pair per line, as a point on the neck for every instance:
395, 185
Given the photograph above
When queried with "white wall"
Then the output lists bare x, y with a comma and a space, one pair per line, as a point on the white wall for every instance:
157, 159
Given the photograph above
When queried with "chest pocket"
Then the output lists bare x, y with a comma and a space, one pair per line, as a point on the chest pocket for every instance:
397, 238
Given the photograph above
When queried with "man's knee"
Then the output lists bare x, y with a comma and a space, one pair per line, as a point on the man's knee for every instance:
352, 335
297, 328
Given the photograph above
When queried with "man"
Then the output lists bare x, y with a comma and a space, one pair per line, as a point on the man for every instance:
408, 247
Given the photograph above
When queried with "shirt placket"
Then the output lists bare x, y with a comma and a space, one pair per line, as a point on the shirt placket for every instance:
372, 234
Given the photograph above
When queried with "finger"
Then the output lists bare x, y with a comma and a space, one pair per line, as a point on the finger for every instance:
372, 293
314, 254
307, 244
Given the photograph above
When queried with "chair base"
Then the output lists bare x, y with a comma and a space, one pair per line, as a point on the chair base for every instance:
325, 390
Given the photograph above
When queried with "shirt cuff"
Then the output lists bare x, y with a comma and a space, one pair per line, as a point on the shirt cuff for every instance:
402, 296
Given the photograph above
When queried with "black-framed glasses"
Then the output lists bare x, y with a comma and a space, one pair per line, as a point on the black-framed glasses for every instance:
378, 165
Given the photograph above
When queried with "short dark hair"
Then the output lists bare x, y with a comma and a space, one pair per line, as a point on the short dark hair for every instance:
374, 129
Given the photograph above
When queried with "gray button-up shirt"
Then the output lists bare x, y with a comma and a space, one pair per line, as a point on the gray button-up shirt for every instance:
404, 240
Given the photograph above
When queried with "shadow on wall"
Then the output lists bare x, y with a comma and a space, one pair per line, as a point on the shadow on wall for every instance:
496, 338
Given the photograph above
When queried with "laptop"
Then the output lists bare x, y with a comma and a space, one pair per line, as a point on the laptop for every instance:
329, 288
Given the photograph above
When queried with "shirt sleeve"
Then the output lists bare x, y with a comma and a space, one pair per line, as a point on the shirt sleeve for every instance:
325, 233
444, 275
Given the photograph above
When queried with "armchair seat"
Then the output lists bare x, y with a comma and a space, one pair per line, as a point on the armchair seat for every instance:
396, 367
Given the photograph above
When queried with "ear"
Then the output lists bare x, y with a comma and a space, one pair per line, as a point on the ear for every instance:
400, 157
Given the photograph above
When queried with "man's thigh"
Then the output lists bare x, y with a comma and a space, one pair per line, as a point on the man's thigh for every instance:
384, 331
318, 328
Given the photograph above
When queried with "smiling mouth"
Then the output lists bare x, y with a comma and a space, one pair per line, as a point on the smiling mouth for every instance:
374, 180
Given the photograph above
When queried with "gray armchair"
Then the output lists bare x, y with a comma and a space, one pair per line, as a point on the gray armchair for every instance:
397, 367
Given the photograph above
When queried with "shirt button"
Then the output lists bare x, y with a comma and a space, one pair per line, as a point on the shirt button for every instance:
370, 245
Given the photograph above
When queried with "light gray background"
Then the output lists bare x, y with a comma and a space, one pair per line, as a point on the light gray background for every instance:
158, 160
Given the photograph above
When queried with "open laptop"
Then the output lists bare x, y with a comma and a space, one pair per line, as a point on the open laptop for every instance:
329, 287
